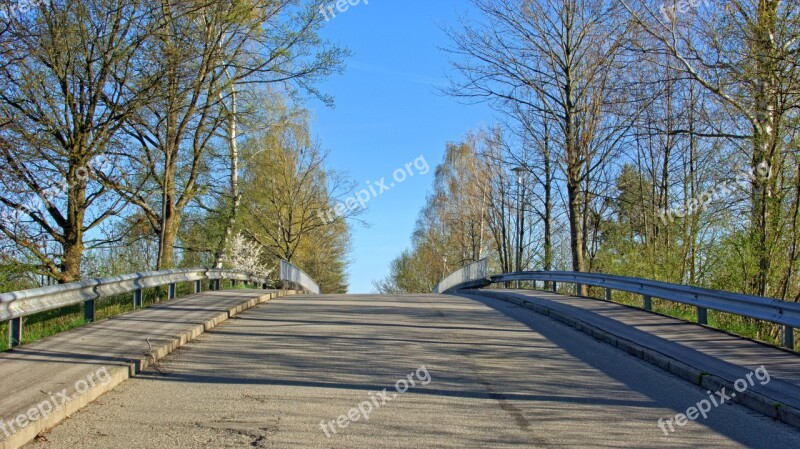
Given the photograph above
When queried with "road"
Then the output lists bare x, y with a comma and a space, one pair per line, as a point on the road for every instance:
485, 374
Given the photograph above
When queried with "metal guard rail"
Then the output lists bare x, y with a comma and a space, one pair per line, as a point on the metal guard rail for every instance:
757, 307
16, 305
473, 275
296, 276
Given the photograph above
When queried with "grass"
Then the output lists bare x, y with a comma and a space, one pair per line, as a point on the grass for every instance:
41, 325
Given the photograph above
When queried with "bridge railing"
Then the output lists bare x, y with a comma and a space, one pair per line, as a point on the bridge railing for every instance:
293, 275
16, 305
473, 275
776, 311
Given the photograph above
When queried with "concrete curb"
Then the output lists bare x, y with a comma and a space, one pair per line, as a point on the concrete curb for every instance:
770, 407
120, 373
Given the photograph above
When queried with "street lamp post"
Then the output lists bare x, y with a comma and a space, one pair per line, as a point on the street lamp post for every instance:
519, 171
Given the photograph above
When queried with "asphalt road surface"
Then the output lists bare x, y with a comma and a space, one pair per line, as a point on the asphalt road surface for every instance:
478, 373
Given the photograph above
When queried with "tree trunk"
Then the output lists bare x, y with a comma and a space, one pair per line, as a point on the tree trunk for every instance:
548, 208
576, 216
72, 245
169, 236
765, 215
72, 258
236, 197
577, 243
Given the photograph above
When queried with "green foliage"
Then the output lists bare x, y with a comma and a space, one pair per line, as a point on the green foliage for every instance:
454, 228
15, 275
411, 272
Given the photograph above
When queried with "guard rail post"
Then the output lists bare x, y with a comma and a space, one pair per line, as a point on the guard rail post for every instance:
137, 299
88, 310
702, 316
647, 303
15, 332
788, 337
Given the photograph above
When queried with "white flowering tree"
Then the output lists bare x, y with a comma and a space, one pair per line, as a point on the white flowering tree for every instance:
246, 255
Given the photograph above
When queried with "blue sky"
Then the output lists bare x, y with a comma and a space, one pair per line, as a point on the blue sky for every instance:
388, 113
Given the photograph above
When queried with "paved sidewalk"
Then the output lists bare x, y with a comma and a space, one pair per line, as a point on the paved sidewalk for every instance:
46, 381
707, 357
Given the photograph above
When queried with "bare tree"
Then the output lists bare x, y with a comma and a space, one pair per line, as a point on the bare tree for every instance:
67, 71
746, 55
556, 60
209, 49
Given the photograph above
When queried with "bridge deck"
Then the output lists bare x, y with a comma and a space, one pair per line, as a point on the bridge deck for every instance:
37, 373
499, 376
703, 349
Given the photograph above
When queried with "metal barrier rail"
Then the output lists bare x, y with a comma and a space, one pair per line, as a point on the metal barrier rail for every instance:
16, 305
298, 277
473, 275
776, 311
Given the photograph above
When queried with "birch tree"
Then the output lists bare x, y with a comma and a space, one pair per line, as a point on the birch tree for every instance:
212, 47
